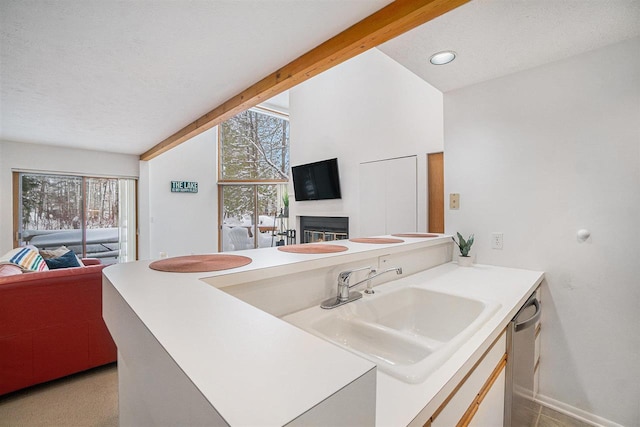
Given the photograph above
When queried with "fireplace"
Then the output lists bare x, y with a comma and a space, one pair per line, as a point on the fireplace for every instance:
323, 228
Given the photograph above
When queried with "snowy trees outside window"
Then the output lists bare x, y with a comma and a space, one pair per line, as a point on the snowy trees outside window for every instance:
82, 213
253, 174
254, 146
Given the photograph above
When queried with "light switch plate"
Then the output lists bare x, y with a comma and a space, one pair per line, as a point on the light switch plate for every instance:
454, 201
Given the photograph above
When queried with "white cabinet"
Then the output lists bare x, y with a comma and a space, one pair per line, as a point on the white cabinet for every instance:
490, 412
479, 398
388, 196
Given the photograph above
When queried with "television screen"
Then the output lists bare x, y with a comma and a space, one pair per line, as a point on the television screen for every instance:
316, 181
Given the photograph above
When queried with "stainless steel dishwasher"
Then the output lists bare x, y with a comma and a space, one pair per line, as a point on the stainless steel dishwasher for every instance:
521, 337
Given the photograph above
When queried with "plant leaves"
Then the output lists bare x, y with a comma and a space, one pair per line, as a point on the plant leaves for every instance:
464, 245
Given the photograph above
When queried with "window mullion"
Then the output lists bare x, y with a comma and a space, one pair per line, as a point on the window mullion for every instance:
83, 204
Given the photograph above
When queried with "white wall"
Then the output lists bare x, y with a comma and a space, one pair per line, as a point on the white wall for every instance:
180, 223
144, 228
368, 108
3, 203
44, 158
538, 155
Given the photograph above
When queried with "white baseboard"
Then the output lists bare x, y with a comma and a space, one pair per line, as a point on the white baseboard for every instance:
576, 413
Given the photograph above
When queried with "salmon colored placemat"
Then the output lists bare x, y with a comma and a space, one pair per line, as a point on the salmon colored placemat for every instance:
200, 263
415, 235
312, 249
377, 240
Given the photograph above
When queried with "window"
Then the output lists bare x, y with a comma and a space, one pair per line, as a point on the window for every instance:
252, 178
94, 217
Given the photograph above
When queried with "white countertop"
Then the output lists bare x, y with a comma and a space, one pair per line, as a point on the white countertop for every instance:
256, 369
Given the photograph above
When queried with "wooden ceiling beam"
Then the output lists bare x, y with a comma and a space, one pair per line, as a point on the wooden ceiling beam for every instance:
389, 22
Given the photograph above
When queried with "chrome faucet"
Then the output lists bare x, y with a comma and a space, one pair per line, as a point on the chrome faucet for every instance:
344, 296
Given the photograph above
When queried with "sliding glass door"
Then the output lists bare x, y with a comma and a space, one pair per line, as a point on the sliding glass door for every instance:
94, 217
250, 215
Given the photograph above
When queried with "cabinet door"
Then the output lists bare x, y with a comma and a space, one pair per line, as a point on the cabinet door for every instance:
401, 195
372, 199
491, 409
461, 406
388, 196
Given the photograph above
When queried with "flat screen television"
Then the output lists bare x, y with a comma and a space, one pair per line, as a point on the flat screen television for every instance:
316, 181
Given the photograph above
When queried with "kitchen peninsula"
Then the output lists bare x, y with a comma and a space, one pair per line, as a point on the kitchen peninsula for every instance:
213, 348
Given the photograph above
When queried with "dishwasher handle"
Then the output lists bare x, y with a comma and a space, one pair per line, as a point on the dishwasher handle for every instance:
533, 319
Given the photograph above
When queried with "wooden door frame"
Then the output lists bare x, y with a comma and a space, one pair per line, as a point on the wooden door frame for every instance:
435, 192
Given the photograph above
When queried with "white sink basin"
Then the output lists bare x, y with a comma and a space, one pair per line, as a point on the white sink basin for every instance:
407, 331
372, 340
425, 313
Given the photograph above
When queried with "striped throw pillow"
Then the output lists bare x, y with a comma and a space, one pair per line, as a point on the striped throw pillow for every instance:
28, 258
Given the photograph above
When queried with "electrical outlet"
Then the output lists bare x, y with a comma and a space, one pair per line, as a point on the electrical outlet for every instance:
454, 201
383, 261
496, 240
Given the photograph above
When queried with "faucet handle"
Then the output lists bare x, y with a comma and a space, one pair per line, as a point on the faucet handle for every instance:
344, 275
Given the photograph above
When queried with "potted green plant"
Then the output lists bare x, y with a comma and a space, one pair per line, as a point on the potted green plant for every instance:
465, 246
285, 202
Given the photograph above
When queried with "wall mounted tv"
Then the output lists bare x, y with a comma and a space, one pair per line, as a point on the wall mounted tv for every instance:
316, 181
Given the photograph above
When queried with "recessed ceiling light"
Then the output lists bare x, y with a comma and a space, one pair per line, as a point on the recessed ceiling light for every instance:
443, 57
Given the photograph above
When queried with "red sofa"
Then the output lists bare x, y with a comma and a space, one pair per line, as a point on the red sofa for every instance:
51, 325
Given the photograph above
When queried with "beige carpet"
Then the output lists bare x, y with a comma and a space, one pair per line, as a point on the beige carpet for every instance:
86, 399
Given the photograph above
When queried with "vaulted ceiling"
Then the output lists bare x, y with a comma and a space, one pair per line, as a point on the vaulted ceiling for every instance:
122, 76
494, 38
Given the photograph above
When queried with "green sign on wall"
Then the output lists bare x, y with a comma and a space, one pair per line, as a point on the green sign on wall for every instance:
184, 187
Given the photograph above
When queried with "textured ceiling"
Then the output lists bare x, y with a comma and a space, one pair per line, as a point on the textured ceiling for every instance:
122, 76
497, 37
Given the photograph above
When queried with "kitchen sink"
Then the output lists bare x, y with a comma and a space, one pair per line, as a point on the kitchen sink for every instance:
407, 331
424, 313
373, 340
